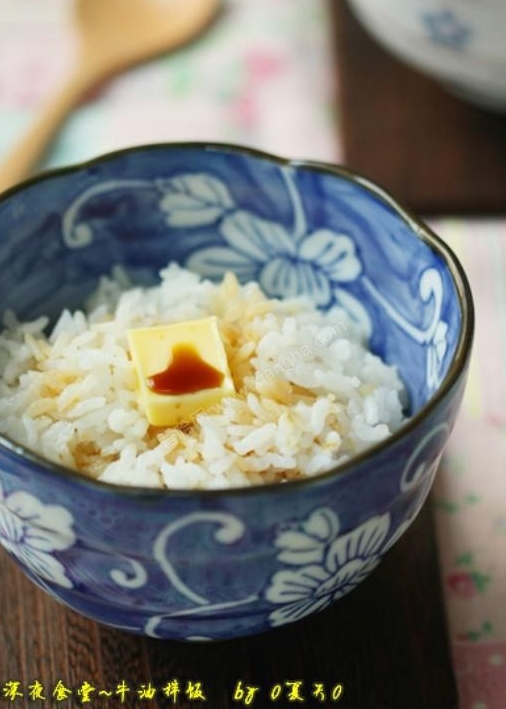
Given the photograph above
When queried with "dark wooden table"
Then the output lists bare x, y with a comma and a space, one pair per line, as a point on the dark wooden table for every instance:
385, 643
433, 151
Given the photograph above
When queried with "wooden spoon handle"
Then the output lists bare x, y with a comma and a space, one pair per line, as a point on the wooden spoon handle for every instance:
29, 150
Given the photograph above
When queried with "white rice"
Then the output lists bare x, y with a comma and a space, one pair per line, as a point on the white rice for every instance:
309, 393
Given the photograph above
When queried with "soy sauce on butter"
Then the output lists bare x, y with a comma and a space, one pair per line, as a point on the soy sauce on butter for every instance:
186, 373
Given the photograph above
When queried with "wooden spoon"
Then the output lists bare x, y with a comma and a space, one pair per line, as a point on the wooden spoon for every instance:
113, 34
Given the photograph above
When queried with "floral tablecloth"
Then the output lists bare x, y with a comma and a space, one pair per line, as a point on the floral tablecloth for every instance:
263, 75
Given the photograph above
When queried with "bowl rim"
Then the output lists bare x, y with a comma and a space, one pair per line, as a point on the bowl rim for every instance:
417, 226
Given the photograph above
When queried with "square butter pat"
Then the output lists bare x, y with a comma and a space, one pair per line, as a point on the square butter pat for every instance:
182, 369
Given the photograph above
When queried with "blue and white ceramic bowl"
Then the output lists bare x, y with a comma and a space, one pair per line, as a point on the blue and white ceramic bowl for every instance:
461, 44
218, 564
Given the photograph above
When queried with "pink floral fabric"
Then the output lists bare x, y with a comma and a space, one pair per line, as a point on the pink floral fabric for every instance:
470, 492
481, 674
263, 75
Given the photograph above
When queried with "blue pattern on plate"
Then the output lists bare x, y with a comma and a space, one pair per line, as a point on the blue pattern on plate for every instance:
446, 28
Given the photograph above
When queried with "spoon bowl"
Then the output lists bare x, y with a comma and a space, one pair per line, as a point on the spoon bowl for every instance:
119, 33
112, 35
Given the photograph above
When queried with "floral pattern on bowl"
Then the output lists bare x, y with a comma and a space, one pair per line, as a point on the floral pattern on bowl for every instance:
31, 531
217, 564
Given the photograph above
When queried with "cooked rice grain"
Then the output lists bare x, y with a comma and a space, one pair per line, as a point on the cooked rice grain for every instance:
309, 393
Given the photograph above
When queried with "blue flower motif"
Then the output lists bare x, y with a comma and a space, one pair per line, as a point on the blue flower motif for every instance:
263, 250
285, 262
329, 565
30, 531
446, 28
